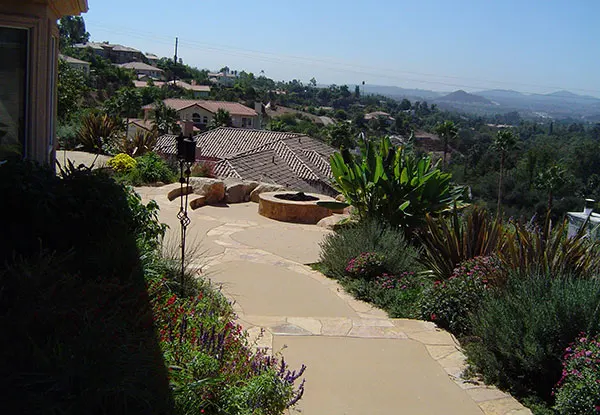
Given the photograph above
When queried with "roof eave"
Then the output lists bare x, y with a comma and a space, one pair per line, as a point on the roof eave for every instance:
68, 7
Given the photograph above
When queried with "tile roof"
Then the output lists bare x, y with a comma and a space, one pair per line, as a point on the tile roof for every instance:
70, 59
377, 114
233, 108
289, 159
140, 66
181, 84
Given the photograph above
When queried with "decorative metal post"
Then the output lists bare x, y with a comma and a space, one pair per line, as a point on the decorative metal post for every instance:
186, 154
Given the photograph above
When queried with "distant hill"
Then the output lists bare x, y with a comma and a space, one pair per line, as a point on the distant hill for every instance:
462, 97
400, 93
500, 94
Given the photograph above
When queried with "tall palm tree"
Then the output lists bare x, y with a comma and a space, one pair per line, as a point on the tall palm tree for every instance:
448, 132
505, 141
551, 180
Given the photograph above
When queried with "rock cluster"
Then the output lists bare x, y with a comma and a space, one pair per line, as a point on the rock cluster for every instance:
214, 191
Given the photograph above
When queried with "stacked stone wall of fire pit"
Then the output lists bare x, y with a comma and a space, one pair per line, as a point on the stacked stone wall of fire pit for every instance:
294, 207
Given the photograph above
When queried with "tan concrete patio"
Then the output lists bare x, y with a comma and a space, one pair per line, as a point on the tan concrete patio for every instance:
359, 361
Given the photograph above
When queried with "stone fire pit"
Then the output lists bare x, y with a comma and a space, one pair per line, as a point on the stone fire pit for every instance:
293, 206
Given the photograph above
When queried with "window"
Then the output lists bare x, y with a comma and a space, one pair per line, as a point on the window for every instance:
13, 91
205, 120
196, 118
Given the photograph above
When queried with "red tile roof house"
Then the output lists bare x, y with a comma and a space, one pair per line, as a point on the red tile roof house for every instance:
287, 159
202, 112
29, 55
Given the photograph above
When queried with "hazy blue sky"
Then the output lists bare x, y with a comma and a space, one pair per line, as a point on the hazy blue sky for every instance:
527, 45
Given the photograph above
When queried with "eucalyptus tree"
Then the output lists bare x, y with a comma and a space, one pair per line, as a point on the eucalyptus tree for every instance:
448, 132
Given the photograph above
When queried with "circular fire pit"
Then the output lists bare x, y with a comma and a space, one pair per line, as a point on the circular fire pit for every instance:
294, 207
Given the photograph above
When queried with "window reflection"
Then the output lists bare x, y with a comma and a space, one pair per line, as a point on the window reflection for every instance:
13, 90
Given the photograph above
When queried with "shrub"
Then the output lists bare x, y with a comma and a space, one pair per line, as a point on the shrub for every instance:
522, 331
97, 132
150, 169
464, 236
338, 248
122, 163
550, 251
397, 295
367, 265
141, 143
449, 303
578, 391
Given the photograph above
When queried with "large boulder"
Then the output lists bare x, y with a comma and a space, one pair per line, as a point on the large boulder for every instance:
180, 191
197, 202
262, 188
212, 189
237, 191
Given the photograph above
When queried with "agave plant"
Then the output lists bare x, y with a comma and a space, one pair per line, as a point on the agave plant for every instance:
97, 131
550, 251
395, 185
141, 143
449, 242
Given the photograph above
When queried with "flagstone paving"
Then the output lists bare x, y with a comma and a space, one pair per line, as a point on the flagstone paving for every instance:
358, 360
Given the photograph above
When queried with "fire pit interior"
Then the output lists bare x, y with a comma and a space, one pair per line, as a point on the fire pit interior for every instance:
296, 197
296, 207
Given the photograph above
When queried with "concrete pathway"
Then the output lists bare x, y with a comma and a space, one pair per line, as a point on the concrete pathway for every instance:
359, 361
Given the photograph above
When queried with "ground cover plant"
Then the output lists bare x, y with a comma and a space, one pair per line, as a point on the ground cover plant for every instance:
147, 169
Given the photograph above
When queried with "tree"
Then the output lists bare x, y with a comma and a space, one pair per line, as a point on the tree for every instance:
405, 105
357, 92
448, 132
551, 180
72, 31
165, 119
505, 141
221, 119
340, 136
125, 103
71, 88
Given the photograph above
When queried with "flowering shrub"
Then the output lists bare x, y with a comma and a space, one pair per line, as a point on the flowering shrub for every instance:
449, 303
403, 281
211, 366
578, 391
367, 265
122, 163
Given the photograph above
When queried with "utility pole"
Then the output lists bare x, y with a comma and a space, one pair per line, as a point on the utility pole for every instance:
175, 61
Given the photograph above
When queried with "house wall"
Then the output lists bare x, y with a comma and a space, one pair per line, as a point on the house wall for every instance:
188, 113
40, 20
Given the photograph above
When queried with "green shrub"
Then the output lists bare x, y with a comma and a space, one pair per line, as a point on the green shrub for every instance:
338, 248
398, 295
367, 265
522, 332
578, 391
449, 303
150, 169
122, 163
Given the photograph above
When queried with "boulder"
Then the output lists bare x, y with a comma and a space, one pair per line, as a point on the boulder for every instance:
178, 191
238, 191
197, 202
262, 188
331, 222
212, 189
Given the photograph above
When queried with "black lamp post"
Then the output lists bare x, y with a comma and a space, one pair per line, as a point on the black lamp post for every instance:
186, 154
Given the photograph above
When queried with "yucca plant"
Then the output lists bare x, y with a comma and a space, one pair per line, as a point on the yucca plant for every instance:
141, 143
449, 242
549, 250
97, 131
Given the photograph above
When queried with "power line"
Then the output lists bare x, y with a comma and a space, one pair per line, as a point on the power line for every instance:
342, 67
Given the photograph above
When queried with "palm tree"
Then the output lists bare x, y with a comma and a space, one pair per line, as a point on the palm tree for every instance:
448, 132
505, 141
165, 120
551, 180
221, 119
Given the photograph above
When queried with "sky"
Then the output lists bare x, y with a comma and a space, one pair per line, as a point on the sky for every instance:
443, 45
